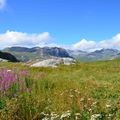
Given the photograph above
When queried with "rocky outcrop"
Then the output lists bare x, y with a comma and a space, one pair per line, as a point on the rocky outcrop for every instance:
3, 60
54, 62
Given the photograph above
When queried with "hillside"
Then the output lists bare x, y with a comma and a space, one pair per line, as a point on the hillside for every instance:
8, 57
37, 53
26, 54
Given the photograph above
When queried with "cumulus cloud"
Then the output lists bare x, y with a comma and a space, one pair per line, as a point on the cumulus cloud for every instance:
84, 44
2, 4
91, 45
12, 38
112, 43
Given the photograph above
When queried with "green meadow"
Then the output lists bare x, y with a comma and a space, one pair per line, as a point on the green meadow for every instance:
82, 91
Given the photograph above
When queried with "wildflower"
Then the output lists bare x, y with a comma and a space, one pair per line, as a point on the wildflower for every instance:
89, 99
15, 95
42, 114
61, 93
28, 90
7, 86
95, 116
11, 82
1, 88
108, 106
111, 115
54, 116
45, 118
82, 99
9, 70
4, 93
94, 104
90, 109
77, 116
71, 96
65, 115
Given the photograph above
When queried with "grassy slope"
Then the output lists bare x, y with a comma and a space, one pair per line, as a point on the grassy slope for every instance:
85, 88
26, 56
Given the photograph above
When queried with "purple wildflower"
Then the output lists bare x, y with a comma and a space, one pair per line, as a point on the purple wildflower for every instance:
12, 82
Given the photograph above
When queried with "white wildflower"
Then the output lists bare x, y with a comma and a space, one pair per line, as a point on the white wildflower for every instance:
62, 94
45, 118
94, 103
111, 115
71, 96
108, 106
95, 116
89, 99
82, 99
77, 116
54, 116
65, 115
44, 115
90, 109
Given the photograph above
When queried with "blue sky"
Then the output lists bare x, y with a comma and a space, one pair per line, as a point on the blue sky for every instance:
76, 23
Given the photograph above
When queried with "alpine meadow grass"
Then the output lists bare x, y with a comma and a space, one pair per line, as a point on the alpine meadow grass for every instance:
83, 91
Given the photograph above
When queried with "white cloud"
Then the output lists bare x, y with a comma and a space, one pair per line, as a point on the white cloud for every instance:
84, 45
2, 4
112, 43
12, 38
91, 45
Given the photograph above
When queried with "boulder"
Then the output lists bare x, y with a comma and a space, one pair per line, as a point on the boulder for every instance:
54, 62
3, 60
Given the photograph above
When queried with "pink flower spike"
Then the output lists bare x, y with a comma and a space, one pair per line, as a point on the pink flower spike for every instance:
28, 89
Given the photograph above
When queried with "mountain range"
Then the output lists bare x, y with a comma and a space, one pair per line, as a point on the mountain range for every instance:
98, 55
26, 54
